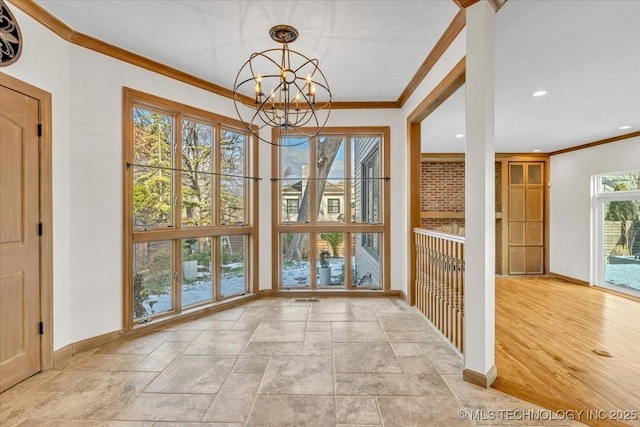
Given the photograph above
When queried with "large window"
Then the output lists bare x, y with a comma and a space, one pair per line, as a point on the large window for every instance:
617, 231
188, 232
336, 234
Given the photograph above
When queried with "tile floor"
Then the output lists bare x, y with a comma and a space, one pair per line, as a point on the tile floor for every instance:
271, 362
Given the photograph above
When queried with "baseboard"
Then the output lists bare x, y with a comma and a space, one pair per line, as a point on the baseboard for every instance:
62, 354
569, 279
69, 350
482, 380
333, 293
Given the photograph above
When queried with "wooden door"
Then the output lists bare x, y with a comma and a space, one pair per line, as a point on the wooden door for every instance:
526, 217
19, 238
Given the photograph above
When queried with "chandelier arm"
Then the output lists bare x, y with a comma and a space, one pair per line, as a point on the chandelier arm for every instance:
282, 110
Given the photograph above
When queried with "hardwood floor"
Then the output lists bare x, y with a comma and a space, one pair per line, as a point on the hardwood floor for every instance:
546, 334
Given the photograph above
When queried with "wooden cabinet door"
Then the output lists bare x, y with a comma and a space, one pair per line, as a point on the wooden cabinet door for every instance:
526, 217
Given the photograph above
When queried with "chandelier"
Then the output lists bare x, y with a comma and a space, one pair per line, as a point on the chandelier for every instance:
282, 89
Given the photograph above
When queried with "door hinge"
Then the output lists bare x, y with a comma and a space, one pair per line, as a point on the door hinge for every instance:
41, 328
40, 229
39, 129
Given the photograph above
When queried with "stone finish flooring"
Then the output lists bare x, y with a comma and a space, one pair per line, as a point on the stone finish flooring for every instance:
271, 362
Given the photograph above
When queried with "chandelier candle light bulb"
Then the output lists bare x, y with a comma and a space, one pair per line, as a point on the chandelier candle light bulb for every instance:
295, 118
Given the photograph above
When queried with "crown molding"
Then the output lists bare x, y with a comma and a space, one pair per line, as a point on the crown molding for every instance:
448, 36
596, 143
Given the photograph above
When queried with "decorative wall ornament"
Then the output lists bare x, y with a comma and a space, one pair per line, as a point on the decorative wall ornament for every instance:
10, 37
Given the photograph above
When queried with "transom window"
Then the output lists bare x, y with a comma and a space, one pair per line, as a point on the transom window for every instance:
187, 208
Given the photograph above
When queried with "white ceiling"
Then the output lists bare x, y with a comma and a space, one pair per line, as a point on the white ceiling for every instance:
585, 53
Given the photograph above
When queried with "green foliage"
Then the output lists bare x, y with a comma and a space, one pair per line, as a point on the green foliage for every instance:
228, 257
334, 239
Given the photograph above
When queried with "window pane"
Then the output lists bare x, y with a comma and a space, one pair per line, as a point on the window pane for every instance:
232, 250
152, 187
365, 164
366, 260
294, 171
151, 278
331, 259
196, 187
622, 243
623, 181
330, 160
295, 260
232, 189
196, 271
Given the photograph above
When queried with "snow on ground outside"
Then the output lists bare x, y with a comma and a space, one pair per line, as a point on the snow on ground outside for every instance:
623, 275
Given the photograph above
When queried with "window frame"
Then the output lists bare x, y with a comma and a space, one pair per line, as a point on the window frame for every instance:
290, 205
177, 232
599, 198
347, 225
333, 209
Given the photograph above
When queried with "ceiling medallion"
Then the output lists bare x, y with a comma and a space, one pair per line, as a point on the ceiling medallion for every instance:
10, 37
282, 89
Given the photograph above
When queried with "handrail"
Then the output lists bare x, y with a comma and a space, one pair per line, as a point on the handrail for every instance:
440, 234
440, 281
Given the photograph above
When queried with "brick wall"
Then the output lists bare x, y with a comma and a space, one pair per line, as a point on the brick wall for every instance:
442, 186
442, 190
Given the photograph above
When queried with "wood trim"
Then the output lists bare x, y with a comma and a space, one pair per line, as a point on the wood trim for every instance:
364, 105
459, 157
414, 132
127, 208
45, 18
482, 380
441, 214
441, 157
131, 236
254, 206
347, 228
596, 143
569, 279
62, 354
504, 186
339, 293
465, 3
386, 169
451, 82
69, 350
617, 293
41, 15
448, 36
46, 212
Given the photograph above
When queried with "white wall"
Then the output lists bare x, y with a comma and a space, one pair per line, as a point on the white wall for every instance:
570, 201
86, 88
45, 64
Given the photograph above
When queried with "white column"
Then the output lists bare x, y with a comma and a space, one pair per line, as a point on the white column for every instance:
480, 197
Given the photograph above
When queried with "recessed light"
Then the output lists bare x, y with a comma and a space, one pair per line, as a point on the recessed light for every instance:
536, 150
539, 93
459, 135
625, 127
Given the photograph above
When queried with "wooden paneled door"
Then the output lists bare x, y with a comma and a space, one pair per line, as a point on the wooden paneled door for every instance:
526, 217
20, 355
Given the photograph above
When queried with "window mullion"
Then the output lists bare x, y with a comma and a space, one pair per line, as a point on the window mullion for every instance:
177, 215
